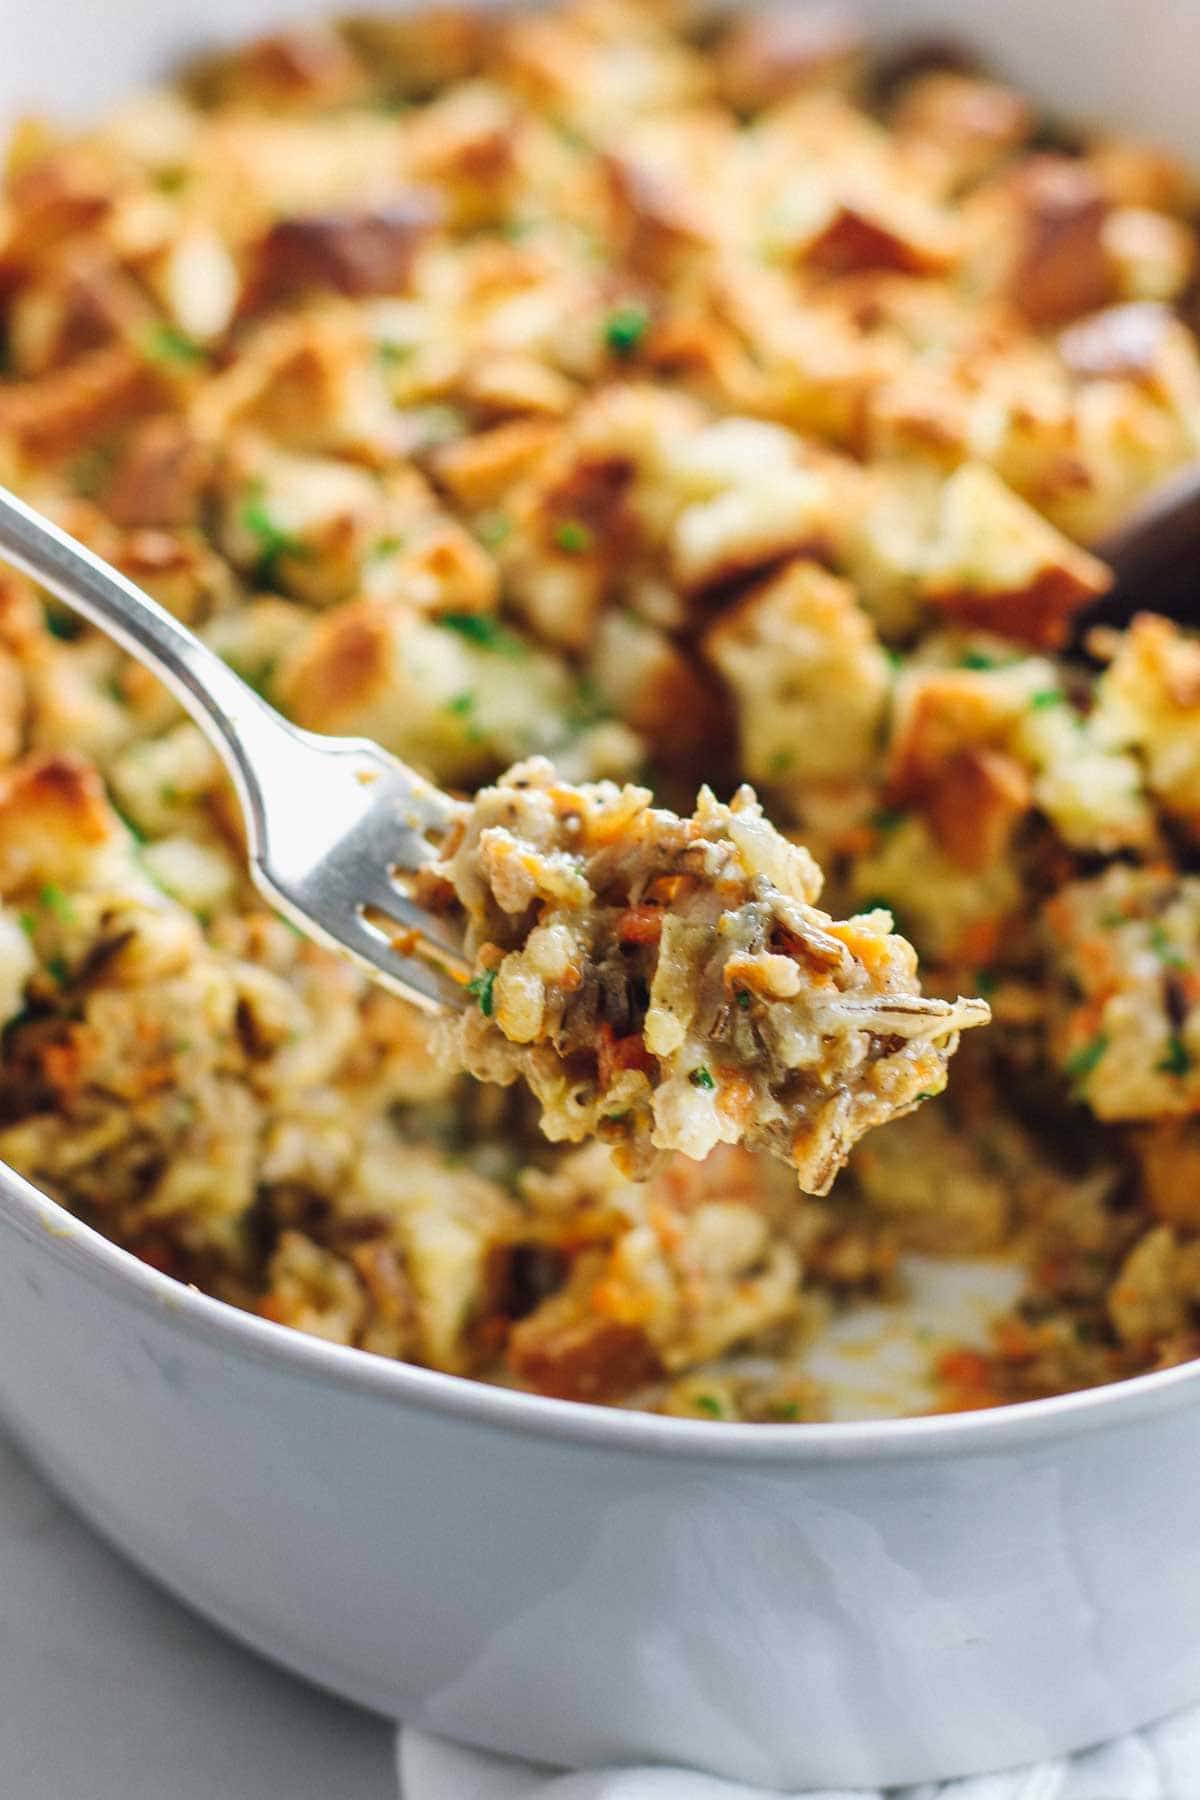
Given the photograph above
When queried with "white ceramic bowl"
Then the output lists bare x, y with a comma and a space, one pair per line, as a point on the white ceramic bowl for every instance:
788, 1604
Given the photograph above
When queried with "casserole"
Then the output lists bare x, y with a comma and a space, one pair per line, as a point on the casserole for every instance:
868, 1603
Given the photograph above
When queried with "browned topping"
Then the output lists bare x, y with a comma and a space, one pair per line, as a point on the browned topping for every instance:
1062, 270
160, 475
975, 804
353, 253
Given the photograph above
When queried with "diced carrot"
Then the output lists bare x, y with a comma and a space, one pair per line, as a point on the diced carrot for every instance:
613, 1300
640, 925
979, 942
1014, 1339
614, 1053
735, 1098
963, 1368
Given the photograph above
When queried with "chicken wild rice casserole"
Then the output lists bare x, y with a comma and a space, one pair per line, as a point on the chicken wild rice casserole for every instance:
658, 400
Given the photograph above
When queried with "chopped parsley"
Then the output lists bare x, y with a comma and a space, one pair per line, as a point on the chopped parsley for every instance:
574, 538
462, 706
985, 982
701, 1078
785, 1411
1165, 950
135, 831
1046, 698
781, 762
484, 630
165, 343
384, 547
888, 818
55, 901
708, 1403
391, 353
56, 968
878, 903
924, 1096
625, 328
977, 659
481, 990
743, 999
62, 625
492, 529
1177, 1060
90, 471
28, 923
587, 706
257, 678
172, 178
1084, 1060
273, 541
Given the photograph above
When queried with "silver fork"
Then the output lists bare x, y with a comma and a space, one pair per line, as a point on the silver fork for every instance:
335, 825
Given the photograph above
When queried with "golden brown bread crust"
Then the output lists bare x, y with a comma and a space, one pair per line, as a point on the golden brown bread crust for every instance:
608, 386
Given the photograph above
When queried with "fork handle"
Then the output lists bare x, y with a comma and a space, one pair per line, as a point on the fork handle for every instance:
238, 722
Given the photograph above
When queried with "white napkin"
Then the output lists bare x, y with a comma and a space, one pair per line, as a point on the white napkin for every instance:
1161, 1763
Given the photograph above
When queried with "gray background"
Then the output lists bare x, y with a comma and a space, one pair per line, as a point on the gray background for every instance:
110, 1691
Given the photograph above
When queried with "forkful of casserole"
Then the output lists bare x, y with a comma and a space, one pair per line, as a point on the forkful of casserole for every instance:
662, 983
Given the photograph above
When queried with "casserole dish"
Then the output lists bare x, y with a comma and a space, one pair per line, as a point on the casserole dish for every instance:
791, 1605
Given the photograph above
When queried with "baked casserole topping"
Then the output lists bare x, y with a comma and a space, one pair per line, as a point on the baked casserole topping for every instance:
678, 401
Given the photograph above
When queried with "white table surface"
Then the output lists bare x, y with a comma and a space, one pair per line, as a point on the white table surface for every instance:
110, 1691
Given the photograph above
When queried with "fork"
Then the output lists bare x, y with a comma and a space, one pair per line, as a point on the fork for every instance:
336, 827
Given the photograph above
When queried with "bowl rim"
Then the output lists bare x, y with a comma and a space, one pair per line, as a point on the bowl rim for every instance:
461, 1399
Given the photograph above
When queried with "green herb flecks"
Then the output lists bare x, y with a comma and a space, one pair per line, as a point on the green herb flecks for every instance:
492, 528
1046, 698
64, 626
274, 543
1177, 1060
574, 538
485, 631
702, 1078
708, 1403
1166, 952
887, 819
481, 990
462, 706
385, 547
165, 343
393, 354
1085, 1060
978, 660
135, 831
56, 902
89, 473
625, 328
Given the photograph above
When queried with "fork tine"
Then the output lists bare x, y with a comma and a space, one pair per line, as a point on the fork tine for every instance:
378, 892
426, 983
